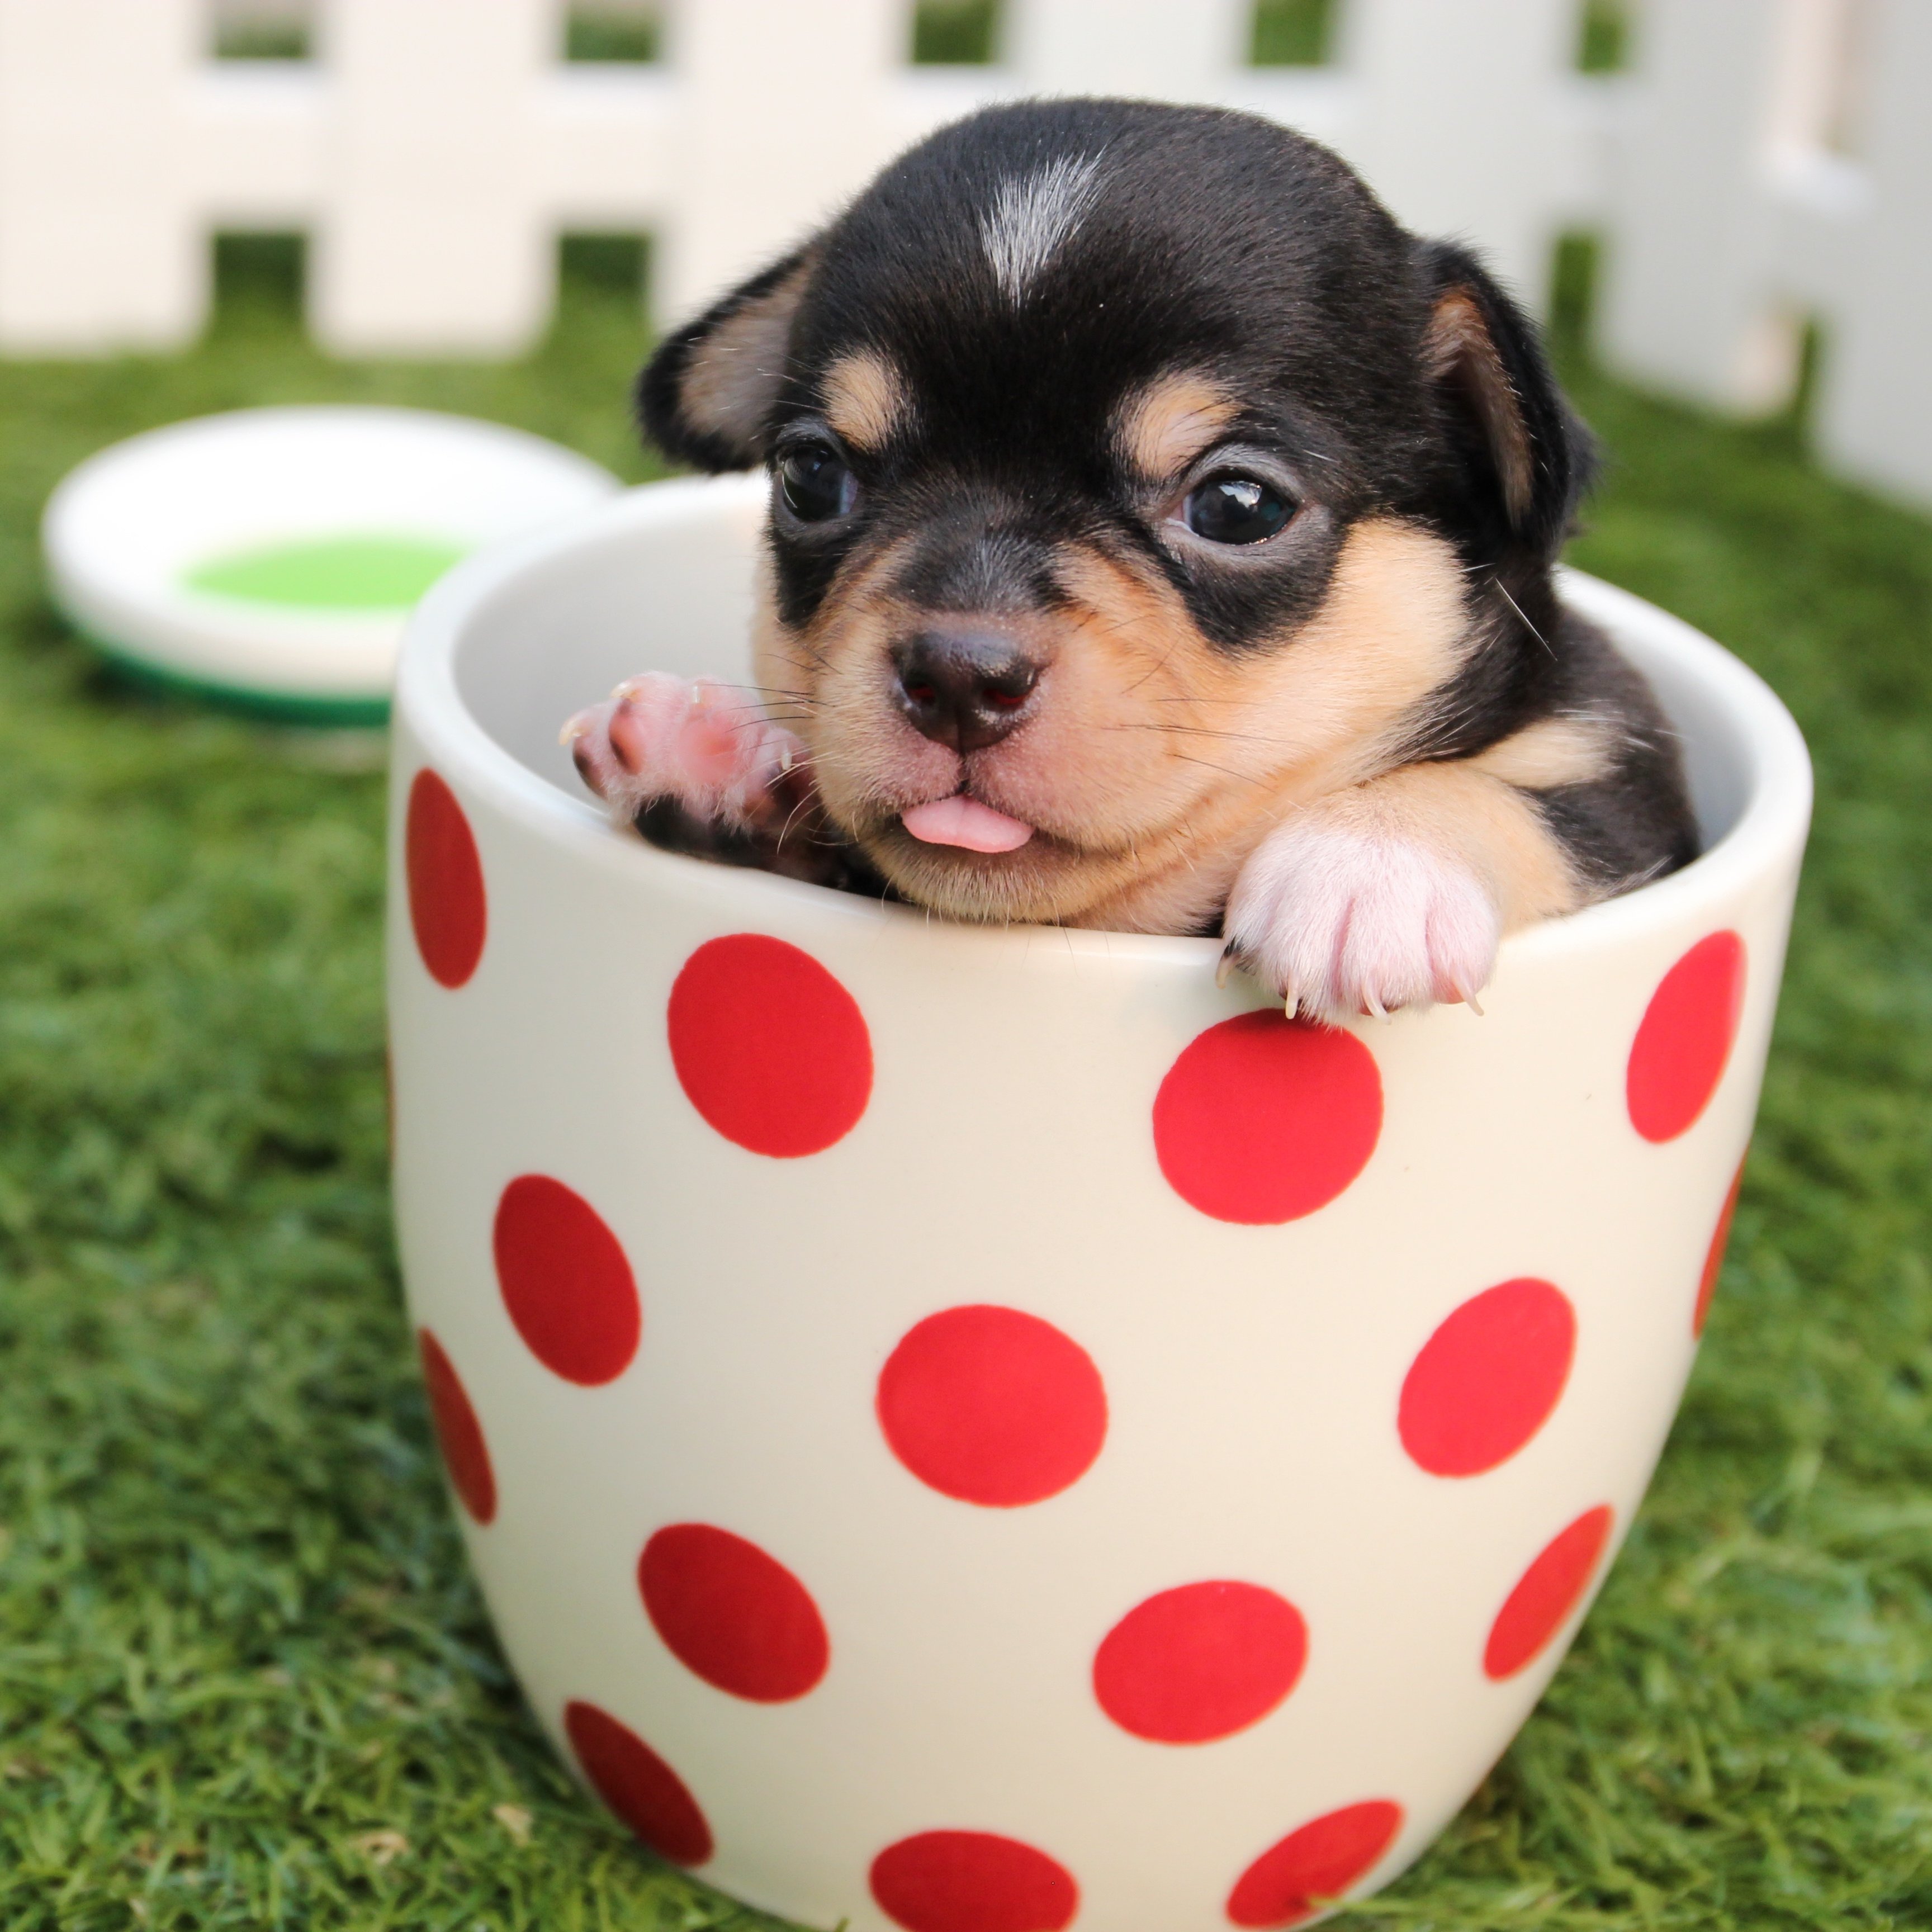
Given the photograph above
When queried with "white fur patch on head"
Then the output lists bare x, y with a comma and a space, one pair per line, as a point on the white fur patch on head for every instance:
1033, 215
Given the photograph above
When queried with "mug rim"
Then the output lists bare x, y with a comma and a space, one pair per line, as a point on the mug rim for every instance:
1768, 831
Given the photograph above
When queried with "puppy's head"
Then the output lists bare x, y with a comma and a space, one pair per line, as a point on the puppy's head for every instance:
1130, 468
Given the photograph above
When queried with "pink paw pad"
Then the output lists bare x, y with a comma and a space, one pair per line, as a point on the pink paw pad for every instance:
707, 745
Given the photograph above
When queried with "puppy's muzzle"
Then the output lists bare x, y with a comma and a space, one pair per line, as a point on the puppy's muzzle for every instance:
965, 689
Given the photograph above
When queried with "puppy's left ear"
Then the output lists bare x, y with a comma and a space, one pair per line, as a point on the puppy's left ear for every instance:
1527, 454
705, 397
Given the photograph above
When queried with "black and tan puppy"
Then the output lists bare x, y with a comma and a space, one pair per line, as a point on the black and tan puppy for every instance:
1160, 539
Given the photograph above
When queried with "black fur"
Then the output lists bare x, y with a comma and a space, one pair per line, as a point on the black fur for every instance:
1217, 242
790, 837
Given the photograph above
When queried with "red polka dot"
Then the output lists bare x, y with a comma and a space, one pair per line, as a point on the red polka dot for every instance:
465, 1453
771, 1049
447, 906
1291, 1881
1550, 1588
973, 1882
1714, 1259
992, 1406
1487, 1381
1263, 1120
1679, 1055
738, 1619
637, 1785
1200, 1662
566, 1281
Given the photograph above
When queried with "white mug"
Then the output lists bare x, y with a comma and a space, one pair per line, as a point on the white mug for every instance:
977, 1430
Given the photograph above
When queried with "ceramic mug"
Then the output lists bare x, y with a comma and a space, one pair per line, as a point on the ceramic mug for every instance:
978, 1430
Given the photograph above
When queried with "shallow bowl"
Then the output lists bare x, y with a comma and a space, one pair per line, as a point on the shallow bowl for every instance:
271, 557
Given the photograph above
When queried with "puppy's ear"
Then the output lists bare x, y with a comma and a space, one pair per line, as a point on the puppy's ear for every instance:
705, 397
1525, 454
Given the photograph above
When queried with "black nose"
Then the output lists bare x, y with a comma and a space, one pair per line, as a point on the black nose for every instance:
964, 688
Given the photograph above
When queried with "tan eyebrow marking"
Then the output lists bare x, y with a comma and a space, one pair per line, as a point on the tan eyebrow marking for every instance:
866, 399
1171, 422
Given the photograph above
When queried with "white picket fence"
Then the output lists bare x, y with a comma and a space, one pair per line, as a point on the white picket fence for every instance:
1764, 162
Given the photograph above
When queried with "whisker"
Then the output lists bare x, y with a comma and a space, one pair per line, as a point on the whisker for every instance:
1154, 671
779, 847
748, 704
1198, 731
1519, 609
1118, 625
1246, 777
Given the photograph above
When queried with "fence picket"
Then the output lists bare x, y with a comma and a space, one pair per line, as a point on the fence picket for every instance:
435, 149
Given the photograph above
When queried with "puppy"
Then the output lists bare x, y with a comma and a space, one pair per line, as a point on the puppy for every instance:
1160, 539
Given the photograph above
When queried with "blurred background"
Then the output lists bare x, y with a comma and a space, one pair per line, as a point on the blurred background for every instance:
243, 1677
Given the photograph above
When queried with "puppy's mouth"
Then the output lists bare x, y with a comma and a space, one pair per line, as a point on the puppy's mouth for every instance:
966, 822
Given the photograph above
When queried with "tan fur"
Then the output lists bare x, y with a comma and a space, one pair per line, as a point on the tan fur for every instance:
1457, 348
1153, 762
1169, 423
1552, 752
865, 400
734, 372
1473, 816
1392, 628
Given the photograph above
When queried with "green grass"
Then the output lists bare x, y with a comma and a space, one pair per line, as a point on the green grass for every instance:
262, 40
955, 32
244, 1680
1292, 33
594, 33
1604, 37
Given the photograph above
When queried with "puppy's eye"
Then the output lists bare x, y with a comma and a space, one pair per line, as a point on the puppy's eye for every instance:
816, 484
1236, 510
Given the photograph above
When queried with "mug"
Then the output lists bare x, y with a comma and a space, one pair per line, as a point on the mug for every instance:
979, 1430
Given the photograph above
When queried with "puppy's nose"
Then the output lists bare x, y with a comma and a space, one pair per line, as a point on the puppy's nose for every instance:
964, 688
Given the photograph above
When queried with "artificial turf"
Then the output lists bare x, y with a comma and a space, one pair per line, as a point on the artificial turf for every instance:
244, 1679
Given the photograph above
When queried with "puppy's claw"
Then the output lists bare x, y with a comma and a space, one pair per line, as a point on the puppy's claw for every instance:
1357, 920
1224, 968
1291, 1004
575, 727
1469, 1000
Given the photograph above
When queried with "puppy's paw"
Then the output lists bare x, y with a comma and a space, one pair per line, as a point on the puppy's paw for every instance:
706, 746
1342, 920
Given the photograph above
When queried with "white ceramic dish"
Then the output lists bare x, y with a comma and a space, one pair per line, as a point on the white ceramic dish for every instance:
350, 496
981, 1510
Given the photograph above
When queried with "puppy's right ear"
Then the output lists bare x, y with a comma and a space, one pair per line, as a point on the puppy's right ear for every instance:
705, 397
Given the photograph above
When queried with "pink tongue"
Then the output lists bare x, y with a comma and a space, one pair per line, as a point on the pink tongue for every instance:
965, 821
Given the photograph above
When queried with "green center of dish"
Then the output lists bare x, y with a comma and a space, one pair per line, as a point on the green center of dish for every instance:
339, 573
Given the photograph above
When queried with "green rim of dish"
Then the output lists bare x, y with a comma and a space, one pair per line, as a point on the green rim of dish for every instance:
283, 707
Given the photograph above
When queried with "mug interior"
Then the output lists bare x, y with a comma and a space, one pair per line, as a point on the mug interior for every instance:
662, 580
